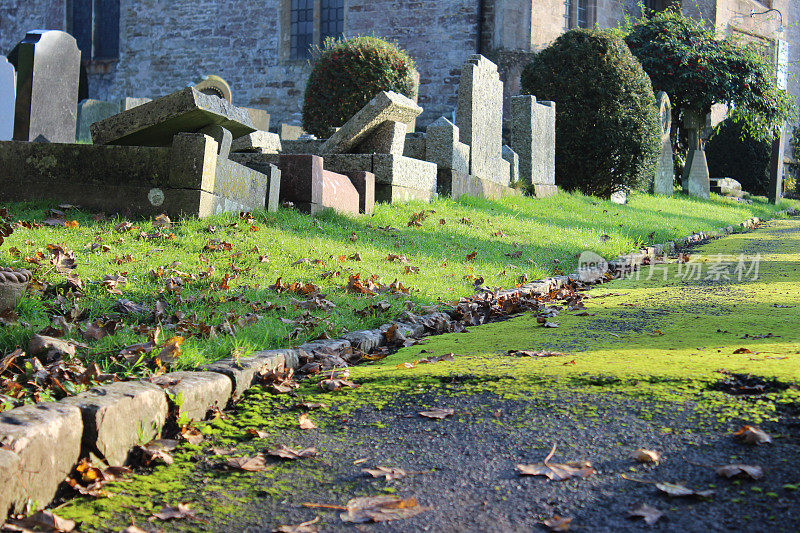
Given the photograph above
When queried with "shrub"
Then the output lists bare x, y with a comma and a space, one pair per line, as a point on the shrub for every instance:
347, 74
607, 124
732, 152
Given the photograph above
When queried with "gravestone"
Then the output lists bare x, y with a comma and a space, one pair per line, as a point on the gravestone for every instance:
443, 147
387, 138
695, 179
533, 137
215, 86
290, 132
312, 188
48, 67
8, 91
479, 117
665, 171
91, 111
259, 118
156, 123
775, 192
386, 106
513, 161
258, 141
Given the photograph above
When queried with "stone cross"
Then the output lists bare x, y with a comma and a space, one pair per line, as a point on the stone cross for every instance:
48, 67
479, 117
8, 91
665, 171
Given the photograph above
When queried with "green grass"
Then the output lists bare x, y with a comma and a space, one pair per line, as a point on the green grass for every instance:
511, 238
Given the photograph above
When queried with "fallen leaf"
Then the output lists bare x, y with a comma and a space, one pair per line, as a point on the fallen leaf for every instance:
647, 456
284, 452
531, 353
557, 471
438, 413
305, 527
649, 514
746, 471
248, 464
305, 422
741, 350
133, 529
558, 523
192, 435
385, 472
257, 433
752, 435
336, 384
169, 512
41, 521
681, 491
311, 405
380, 509
472, 256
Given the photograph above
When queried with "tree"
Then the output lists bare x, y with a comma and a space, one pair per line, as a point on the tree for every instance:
685, 59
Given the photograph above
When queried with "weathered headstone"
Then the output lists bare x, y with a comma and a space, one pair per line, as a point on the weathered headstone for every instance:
312, 188
387, 138
8, 91
533, 137
775, 193
156, 123
385, 107
215, 86
291, 132
695, 179
364, 182
48, 67
619, 197
442, 146
513, 161
665, 171
259, 118
415, 145
91, 111
479, 117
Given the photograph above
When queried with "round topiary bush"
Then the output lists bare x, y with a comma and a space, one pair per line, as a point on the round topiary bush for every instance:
732, 152
607, 123
347, 74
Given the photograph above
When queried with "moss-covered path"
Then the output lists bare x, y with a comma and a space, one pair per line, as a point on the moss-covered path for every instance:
674, 361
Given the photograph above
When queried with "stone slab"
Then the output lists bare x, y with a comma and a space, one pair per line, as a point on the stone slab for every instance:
404, 172
387, 138
513, 162
366, 340
46, 441
619, 197
119, 416
199, 392
455, 184
543, 191
301, 178
266, 164
442, 146
290, 132
415, 145
696, 179
241, 184
663, 183
259, 118
243, 371
8, 92
301, 146
156, 123
392, 194
48, 68
385, 106
258, 141
533, 138
338, 193
364, 183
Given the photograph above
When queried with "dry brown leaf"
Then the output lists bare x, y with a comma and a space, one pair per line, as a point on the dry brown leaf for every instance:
681, 491
649, 514
248, 464
557, 471
472, 256
305, 527
438, 413
741, 350
752, 435
558, 523
385, 472
380, 509
745, 471
305, 422
169, 512
336, 384
257, 433
310, 406
531, 353
284, 452
41, 521
192, 435
647, 456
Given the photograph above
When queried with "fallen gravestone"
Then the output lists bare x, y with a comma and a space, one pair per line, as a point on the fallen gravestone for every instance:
91, 111
665, 171
8, 91
48, 64
533, 137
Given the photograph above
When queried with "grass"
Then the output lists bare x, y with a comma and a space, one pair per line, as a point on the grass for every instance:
512, 239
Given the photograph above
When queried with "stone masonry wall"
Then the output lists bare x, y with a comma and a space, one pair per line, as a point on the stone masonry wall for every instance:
17, 17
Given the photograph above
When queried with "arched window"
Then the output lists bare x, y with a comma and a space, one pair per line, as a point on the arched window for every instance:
311, 22
95, 26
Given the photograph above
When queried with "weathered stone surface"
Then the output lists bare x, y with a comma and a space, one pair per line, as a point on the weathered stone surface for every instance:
443, 148
391, 194
388, 138
46, 439
728, 187
619, 197
365, 340
258, 141
513, 162
415, 145
199, 392
259, 118
243, 372
338, 193
272, 202
156, 123
364, 182
695, 175
455, 184
290, 132
665, 170
266, 164
241, 184
311, 188
8, 92
479, 116
346, 163
301, 146
533, 138
386, 106
543, 191
119, 416
404, 172
91, 111
48, 66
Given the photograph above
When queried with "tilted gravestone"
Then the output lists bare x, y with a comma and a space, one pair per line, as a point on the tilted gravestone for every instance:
8, 91
443, 147
48, 67
91, 111
533, 137
665, 171
479, 117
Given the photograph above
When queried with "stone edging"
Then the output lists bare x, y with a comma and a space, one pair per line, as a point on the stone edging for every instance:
41, 444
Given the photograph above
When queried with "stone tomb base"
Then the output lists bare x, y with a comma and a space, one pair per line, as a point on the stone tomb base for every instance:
184, 179
456, 184
397, 178
543, 190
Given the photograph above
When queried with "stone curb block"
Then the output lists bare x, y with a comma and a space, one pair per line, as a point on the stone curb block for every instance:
198, 392
365, 340
242, 372
43, 443
119, 416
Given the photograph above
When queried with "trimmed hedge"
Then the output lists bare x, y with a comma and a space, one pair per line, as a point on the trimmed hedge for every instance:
607, 124
733, 153
347, 74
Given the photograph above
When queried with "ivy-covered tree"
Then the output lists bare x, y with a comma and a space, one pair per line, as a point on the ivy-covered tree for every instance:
686, 59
